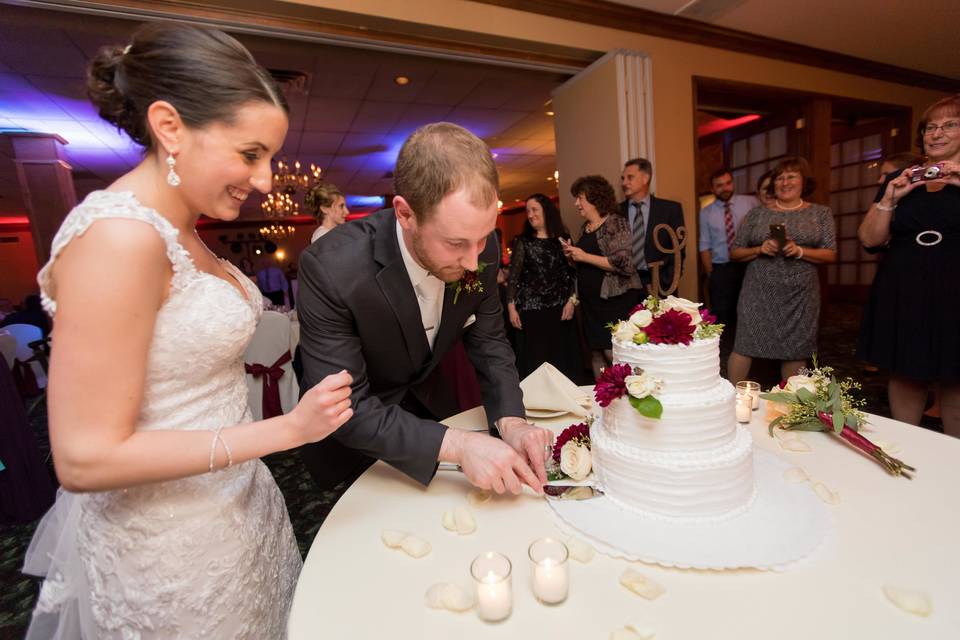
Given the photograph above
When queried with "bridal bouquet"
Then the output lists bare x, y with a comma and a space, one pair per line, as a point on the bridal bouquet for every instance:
669, 321
815, 400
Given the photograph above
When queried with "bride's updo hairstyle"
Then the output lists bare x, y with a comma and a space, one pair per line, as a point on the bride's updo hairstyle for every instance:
204, 73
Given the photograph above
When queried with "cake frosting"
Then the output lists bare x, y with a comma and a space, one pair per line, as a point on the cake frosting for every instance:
694, 462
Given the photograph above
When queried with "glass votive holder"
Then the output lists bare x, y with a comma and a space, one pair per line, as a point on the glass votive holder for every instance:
491, 574
549, 570
744, 407
753, 388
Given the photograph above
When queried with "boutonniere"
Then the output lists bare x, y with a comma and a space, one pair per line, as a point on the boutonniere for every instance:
469, 283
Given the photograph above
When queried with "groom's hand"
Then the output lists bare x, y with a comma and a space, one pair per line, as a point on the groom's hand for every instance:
534, 443
488, 463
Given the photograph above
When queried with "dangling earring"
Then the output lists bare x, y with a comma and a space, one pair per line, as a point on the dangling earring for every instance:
172, 178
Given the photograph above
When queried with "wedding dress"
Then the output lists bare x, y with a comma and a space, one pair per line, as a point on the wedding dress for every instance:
207, 556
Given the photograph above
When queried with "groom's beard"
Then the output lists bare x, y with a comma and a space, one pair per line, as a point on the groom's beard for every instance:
449, 273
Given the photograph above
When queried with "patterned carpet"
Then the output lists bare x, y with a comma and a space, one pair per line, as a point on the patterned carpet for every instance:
308, 507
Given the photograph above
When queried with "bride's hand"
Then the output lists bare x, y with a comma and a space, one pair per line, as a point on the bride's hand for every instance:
323, 408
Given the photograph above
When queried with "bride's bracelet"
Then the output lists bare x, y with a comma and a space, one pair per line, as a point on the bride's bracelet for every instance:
213, 450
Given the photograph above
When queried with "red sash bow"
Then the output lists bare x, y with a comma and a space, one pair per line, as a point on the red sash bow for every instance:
271, 388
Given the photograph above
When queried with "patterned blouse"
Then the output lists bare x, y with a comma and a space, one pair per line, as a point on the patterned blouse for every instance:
616, 242
540, 276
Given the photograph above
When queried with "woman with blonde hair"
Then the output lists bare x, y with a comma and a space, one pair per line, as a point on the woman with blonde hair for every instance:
326, 203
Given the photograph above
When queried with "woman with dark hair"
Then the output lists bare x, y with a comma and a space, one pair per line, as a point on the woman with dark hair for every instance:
764, 192
326, 203
607, 282
779, 308
168, 524
909, 324
541, 293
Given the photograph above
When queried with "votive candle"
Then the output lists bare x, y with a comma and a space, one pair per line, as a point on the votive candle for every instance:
744, 407
549, 573
753, 388
491, 573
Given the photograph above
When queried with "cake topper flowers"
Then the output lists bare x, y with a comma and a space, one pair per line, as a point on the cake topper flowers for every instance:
469, 283
815, 400
620, 380
669, 321
571, 453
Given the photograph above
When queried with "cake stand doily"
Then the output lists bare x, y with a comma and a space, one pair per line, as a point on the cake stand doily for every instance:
785, 523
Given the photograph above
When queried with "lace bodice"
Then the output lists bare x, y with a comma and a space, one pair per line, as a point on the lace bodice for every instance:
212, 555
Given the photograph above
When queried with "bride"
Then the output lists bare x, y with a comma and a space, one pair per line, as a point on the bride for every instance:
168, 524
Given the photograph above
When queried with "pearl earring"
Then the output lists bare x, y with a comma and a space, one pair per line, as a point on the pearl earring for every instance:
172, 178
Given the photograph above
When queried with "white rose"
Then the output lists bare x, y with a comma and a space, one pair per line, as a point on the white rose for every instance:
680, 304
575, 460
625, 331
640, 386
641, 318
800, 382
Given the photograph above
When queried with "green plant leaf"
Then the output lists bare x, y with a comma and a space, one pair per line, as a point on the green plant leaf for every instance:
773, 423
556, 474
808, 425
780, 396
647, 406
852, 421
806, 396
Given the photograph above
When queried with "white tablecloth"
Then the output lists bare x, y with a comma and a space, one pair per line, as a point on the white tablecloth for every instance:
888, 531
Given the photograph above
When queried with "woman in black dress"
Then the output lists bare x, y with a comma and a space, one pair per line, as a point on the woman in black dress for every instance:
910, 322
607, 282
540, 293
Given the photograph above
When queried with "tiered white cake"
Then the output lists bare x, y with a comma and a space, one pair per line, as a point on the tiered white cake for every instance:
695, 462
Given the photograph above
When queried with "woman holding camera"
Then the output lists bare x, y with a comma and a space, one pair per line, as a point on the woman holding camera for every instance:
779, 307
909, 324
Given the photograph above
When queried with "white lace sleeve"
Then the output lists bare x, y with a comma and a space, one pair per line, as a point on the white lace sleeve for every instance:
100, 205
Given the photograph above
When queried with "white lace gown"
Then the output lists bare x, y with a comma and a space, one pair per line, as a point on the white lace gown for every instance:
209, 556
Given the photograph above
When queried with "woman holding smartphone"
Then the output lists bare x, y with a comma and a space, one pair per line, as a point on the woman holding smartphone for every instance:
779, 307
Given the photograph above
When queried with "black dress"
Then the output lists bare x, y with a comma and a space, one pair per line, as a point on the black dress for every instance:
541, 282
598, 312
910, 321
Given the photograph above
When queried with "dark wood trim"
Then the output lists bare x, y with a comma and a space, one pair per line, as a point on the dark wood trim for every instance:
652, 23
285, 19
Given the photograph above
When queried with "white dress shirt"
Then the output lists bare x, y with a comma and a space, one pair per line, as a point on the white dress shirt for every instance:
429, 290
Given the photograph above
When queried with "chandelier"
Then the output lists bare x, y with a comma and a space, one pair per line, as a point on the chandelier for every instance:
288, 183
276, 231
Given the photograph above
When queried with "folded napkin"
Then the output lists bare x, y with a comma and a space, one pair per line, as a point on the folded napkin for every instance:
546, 390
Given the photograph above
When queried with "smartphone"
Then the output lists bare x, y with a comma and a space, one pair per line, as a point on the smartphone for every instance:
779, 233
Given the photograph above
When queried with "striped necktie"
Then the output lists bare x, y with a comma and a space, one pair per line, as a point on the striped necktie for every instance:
639, 237
728, 223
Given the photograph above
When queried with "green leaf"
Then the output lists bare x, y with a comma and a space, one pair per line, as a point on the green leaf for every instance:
647, 406
556, 474
773, 423
852, 421
806, 396
808, 425
838, 417
780, 396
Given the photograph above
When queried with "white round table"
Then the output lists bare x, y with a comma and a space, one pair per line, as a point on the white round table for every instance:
887, 531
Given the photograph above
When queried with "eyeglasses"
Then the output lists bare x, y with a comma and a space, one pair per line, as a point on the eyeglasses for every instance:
949, 128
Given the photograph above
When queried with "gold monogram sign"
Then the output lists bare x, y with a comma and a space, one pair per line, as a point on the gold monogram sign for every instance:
676, 241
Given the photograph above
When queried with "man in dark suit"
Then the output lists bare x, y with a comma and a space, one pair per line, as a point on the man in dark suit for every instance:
379, 298
644, 212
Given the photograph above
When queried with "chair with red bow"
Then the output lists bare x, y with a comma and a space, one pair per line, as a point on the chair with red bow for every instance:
272, 385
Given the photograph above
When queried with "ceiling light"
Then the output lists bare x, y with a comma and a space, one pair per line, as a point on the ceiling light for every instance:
402, 80
549, 113
556, 174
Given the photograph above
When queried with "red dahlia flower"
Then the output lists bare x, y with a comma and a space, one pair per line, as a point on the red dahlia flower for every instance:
671, 327
578, 432
612, 383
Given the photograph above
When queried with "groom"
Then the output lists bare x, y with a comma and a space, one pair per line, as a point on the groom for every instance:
378, 297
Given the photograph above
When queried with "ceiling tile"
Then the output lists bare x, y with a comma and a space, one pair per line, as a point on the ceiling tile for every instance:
330, 114
335, 84
376, 117
38, 51
317, 141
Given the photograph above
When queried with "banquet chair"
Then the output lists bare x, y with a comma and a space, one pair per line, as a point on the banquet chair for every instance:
271, 383
25, 359
8, 347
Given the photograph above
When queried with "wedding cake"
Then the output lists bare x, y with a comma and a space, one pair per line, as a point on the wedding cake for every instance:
665, 442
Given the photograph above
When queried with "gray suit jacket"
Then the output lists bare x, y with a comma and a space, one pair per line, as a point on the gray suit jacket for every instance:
358, 311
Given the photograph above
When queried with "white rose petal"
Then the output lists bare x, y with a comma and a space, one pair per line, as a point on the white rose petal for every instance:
642, 631
913, 602
449, 522
828, 496
415, 547
580, 550
795, 383
456, 598
479, 497
680, 304
575, 460
434, 596
640, 386
796, 445
393, 539
796, 475
641, 585
641, 318
625, 331
465, 522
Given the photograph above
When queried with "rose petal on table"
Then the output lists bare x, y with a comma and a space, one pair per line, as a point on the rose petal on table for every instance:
914, 602
449, 521
641, 585
415, 547
795, 475
796, 445
393, 539
456, 598
633, 632
641, 630
466, 523
580, 550
479, 497
825, 493
434, 596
